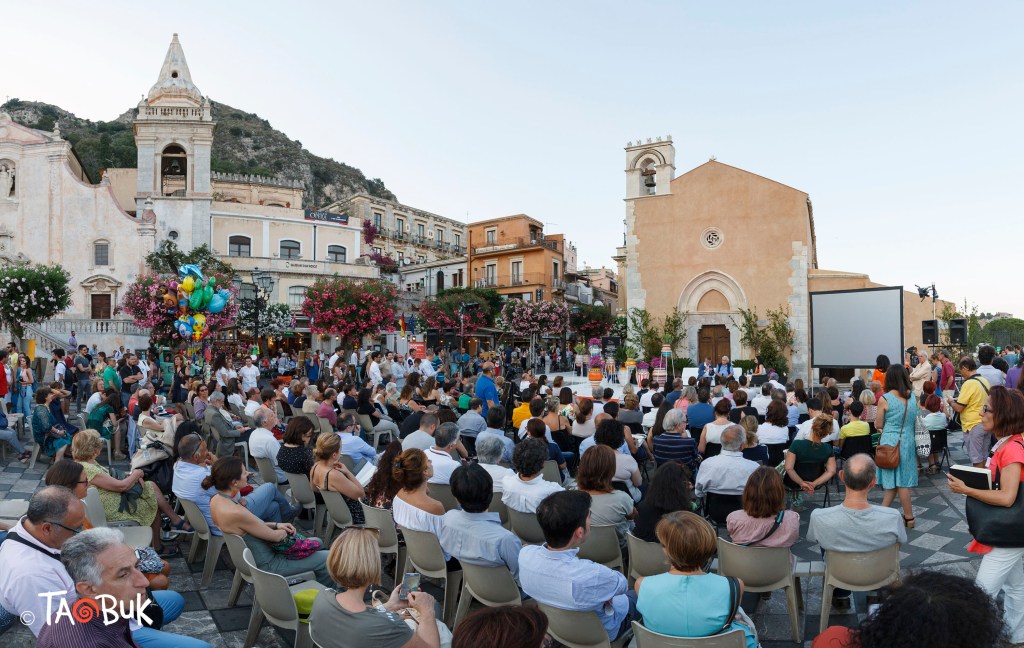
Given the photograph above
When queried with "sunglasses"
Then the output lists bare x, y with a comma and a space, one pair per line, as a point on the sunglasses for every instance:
66, 528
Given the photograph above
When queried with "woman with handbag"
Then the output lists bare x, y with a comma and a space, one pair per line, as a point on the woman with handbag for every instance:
268, 541
995, 516
896, 454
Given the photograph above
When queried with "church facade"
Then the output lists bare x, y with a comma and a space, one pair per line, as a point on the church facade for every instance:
718, 239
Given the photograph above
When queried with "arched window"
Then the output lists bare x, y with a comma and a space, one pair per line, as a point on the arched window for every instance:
296, 295
440, 280
337, 254
239, 246
173, 171
101, 253
289, 249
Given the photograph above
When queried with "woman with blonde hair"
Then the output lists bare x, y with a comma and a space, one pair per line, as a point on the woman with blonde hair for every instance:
344, 620
329, 474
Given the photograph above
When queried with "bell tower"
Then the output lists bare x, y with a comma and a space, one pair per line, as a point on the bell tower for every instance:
650, 167
174, 135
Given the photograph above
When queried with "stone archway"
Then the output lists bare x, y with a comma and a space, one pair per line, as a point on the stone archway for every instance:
712, 299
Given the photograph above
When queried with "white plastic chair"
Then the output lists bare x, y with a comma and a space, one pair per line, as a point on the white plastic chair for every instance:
214, 543
492, 586
857, 571
763, 569
645, 558
275, 602
134, 535
302, 491
551, 472
649, 639
602, 546
338, 516
384, 521
236, 548
426, 557
443, 493
525, 526
269, 475
579, 628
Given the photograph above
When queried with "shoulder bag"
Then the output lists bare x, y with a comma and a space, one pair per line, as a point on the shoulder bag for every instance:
734, 607
887, 456
997, 526
775, 527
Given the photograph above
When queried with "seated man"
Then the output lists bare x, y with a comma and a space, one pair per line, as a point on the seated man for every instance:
252, 402
423, 437
856, 524
495, 428
193, 466
553, 574
764, 399
489, 451
472, 423
223, 426
522, 412
351, 443
525, 490
263, 444
536, 407
651, 415
726, 473
445, 437
102, 567
473, 535
31, 564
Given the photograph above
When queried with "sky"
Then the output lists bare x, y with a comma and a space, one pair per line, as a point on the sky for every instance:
901, 120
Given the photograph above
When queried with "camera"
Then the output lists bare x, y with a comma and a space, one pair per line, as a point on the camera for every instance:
913, 356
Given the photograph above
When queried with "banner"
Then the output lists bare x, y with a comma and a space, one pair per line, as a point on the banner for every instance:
327, 217
418, 350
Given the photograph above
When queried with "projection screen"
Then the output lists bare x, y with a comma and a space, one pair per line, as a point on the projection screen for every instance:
850, 328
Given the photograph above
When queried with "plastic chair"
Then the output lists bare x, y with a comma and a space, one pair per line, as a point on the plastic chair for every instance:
236, 549
645, 558
443, 493
134, 535
602, 546
302, 492
214, 543
426, 557
526, 527
323, 425
763, 569
269, 475
551, 472
367, 424
338, 515
579, 628
492, 586
857, 571
275, 602
497, 506
383, 520
808, 472
649, 639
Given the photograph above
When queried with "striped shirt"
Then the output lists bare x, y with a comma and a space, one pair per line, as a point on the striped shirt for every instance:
675, 447
94, 634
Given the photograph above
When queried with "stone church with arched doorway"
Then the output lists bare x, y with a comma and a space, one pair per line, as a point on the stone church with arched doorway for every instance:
717, 239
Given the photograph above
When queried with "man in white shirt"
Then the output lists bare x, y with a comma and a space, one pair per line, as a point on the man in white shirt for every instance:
727, 472
373, 370
536, 409
333, 360
445, 437
262, 443
423, 438
986, 354
803, 431
250, 375
525, 490
254, 401
763, 400
652, 416
647, 399
354, 358
426, 367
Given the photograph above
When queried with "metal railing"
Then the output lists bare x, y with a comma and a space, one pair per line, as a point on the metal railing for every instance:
87, 327
514, 243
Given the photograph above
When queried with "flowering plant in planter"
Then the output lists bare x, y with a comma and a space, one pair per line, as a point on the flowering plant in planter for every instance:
32, 293
594, 342
658, 363
642, 365
350, 309
597, 361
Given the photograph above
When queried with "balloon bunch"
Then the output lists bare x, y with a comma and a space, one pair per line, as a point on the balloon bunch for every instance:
192, 297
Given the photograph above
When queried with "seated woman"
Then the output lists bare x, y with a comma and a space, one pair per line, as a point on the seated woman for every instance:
344, 620
427, 393
935, 421
382, 488
57, 407
775, 428
764, 521
97, 396
608, 505
671, 490
926, 608
753, 449
228, 476
143, 505
104, 419
201, 401
329, 474
406, 400
365, 407
391, 395
413, 507
51, 438
811, 451
583, 425
535, 429
296, 455
686, 601
611, 433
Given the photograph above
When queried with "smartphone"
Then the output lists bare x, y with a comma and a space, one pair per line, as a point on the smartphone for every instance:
410, 583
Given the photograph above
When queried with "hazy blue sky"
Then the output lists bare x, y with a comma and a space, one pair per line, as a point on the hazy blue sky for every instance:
903, 123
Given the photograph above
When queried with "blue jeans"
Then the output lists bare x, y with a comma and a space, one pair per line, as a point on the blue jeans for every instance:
25, 401
268, 504
172, 604
11, 436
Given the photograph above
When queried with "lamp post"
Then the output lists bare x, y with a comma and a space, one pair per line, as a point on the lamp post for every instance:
263, 281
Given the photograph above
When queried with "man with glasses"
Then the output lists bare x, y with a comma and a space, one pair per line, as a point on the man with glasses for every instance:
968, 402
194, 459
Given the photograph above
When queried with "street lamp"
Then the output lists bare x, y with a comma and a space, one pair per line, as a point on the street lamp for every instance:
264, 287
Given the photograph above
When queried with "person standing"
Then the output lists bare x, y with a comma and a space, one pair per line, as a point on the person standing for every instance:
72, 343
250, 374
896, 417
83, 373
1001, 567
973, 392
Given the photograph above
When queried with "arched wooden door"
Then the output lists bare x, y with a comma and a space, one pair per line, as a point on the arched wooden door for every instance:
713, 342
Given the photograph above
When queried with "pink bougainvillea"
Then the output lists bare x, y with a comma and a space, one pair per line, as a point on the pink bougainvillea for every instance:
350, 309
533, 318
443, 312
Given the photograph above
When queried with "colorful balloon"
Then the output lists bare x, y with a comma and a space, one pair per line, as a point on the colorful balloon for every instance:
217, 304
196, 301
191, 270
207, 295
188, 284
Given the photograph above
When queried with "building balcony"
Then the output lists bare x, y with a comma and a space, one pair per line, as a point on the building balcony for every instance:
83, 328
513, 281
519, 243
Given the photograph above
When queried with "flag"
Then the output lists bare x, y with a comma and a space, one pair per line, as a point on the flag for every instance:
401, 325
412, 324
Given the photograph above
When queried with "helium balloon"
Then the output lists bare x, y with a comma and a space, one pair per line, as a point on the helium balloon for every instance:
200, 321
217, 304
191, 270
207, 296
212, 281
196, 300
188, 284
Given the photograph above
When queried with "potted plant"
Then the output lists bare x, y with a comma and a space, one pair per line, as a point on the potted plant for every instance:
595, 346
643, 370
659, 367
596, 374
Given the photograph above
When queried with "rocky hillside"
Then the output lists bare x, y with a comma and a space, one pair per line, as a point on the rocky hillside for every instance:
242, 143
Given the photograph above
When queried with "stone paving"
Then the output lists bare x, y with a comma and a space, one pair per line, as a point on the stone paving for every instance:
938, 541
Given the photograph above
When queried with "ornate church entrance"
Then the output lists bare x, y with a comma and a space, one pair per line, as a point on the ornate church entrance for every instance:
713, 342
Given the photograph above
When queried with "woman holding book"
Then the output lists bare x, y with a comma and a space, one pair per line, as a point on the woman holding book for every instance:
1001, 567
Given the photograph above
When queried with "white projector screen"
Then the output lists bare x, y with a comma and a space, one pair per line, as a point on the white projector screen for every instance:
850, 328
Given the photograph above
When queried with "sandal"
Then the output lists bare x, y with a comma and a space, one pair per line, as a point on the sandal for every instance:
168, 551
908, 521
180, 527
